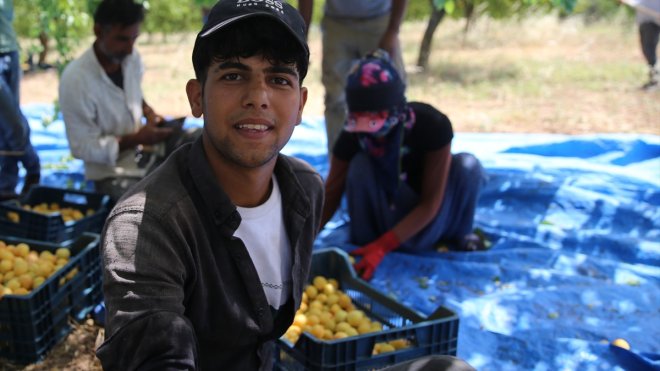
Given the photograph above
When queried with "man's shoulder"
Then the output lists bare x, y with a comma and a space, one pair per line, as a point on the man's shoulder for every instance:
159, 191
77, 69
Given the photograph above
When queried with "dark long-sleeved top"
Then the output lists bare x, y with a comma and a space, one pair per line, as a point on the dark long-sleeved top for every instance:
180, 291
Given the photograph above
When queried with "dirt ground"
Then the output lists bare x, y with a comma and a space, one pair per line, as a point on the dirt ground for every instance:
552, 78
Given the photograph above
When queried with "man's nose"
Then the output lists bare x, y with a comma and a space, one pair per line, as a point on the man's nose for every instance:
257, 94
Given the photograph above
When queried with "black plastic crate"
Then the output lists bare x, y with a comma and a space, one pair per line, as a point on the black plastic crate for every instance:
31, 325
52, 227
436, 334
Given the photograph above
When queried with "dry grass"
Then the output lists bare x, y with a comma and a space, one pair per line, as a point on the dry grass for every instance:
539, 75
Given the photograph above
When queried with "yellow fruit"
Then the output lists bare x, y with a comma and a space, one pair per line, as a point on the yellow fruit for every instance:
340, 335
318, 331
47, 255
6, 265
334, 283
311, 292
26, 281
22, 249
621, 343
300, 320
63, 253
319, 282
354, 317
20, 266
399, 344
364, 327
13, 217
37, 281
21, 291
385, 347
13, 284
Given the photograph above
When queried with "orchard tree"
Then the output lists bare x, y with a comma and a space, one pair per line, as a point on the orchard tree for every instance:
471, 9
64, 21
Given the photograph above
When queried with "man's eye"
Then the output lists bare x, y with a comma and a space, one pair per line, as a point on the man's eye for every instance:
281, 81
231, 77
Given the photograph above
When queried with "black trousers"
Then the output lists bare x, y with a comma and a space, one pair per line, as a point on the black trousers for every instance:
648, 37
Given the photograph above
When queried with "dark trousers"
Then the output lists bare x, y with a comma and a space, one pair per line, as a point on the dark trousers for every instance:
372, 215
14, 128
649, 33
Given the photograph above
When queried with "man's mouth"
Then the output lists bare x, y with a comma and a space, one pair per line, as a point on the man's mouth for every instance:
256, 127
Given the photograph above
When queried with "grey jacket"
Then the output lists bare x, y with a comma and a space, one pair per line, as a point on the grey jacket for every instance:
180, 291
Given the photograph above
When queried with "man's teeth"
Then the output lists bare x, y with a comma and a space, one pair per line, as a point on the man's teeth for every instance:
253, 126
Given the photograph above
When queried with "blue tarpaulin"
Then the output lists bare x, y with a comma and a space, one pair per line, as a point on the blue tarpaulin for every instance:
575, 260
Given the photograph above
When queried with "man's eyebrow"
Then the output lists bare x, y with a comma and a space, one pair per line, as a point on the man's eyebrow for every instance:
283, 69
232, 64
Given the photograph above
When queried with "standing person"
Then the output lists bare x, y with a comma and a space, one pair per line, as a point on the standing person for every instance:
205, 260
15, 145
102, 103
405, 190
648, 21
350, 30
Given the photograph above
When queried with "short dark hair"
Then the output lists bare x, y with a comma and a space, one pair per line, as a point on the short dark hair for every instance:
250, 37
118, 12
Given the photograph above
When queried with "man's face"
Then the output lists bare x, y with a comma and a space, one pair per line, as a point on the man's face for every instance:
250, 109
116, 42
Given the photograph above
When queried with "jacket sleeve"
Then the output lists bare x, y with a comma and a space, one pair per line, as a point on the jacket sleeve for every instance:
144, 273
156, 341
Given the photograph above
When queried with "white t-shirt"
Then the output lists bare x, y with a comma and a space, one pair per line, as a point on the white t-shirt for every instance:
262, 230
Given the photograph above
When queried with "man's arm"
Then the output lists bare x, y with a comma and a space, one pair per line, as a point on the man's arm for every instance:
390, 39
434, 183
306, 9
334, 188
144, 294
148, 134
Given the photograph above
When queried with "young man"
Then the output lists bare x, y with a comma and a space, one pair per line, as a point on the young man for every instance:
205, 259
405, 189
351, 29
102, 104
15, 145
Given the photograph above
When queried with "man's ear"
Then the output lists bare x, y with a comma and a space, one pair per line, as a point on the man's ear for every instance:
98, 31
194, 91
303, 100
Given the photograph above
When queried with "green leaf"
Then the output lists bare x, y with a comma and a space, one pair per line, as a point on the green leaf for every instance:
439, 4
450, 6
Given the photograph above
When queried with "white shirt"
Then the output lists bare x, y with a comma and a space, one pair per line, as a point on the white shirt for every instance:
96, 112
262, 230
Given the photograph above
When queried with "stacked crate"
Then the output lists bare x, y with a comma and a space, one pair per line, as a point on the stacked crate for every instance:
32, 323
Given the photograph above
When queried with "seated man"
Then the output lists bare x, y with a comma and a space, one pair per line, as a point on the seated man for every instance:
101, 99
405, 190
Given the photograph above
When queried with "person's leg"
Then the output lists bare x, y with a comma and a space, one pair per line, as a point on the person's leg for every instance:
455, 219
13, 125
335, 66
649, 33
8, 177
14, 129
344, 42
370, 212
32, 165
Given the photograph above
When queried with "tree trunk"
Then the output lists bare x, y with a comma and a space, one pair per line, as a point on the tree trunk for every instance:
425, 48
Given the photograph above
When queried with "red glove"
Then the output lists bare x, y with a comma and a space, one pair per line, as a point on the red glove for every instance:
373, 253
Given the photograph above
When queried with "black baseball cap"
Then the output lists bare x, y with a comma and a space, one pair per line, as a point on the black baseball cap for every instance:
226, 12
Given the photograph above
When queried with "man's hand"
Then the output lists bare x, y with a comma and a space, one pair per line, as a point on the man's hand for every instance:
373, 253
